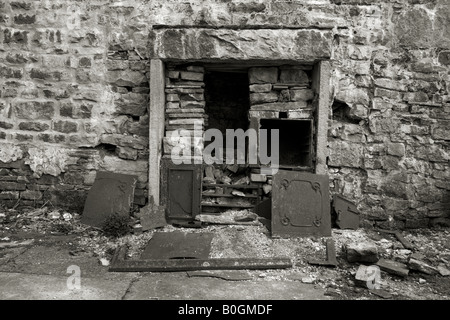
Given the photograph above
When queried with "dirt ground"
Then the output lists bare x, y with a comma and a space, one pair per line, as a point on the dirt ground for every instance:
32, 226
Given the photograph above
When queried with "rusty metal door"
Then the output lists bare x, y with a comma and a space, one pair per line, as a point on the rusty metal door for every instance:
181, 190
300, 204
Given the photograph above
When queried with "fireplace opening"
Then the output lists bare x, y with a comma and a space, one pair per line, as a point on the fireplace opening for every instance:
295, 142
227, 100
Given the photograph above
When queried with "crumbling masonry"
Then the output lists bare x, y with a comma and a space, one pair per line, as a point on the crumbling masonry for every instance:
81, 83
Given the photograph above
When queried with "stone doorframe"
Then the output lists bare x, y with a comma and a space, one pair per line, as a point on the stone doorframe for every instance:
277, 46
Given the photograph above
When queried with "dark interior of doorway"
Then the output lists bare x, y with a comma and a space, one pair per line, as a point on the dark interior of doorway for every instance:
227, 100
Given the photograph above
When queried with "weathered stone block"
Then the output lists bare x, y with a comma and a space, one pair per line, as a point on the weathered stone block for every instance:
24, 19
127, 153
441, 130
138, 128
15, 36
192, 97
293, 75
126, 78
362, 252
414, 27
345, 154
9, 195
396, 149
33, 126
192, 104
6, 125
85, 62
172, 97
268, 75
133, 104
47, 75
259, 98
172, 105
393, 267
432, 153
20, 5
417, 223
113, 65
51, 138
191, 76
31, 195
418, 265
7, 72
139, 143
390, 84
11, 186
33, 110
260, 87
267, 44
412, 97
65, 126
302, 94
390, 94
173, 74
440, 222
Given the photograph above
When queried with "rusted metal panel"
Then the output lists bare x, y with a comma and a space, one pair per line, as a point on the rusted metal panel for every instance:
170, 265
347, 213
118, 264
178, 245
300, 205
181, 190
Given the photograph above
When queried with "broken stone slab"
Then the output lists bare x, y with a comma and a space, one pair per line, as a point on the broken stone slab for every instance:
362, 252
381, 293
421, 266
152, 216
443, 271
393, 267
368, 277
111, 193
333, 292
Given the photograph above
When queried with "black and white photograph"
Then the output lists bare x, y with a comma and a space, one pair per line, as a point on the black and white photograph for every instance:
225, 158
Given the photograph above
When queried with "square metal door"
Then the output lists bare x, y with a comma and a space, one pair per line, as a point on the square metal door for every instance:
181, 190
300, 205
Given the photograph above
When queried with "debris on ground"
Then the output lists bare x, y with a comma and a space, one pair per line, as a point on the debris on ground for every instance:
431, 247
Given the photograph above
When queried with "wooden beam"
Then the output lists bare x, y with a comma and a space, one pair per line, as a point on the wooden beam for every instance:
156, 126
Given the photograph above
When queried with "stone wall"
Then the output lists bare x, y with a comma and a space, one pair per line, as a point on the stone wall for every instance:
74, 91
